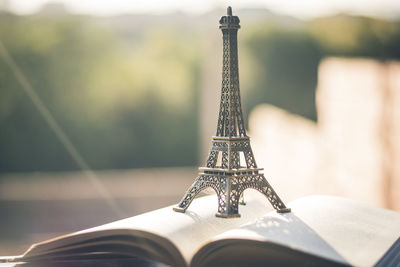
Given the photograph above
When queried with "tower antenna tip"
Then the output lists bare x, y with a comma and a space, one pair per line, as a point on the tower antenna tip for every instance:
229, 11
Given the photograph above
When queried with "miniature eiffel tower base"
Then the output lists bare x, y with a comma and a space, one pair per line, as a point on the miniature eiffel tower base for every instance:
229, 186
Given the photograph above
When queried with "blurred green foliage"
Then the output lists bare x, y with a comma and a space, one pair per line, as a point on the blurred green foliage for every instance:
128, 96
286, 72
357, 36
122, 104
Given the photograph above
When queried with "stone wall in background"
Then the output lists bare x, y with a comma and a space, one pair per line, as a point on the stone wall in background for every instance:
353, 150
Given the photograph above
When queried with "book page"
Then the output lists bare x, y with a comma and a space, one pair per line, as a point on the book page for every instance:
337, 229
187, 231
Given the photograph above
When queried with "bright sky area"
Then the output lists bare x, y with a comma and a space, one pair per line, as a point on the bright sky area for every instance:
300, 9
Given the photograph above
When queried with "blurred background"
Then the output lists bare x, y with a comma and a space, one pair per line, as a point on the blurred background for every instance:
107, 108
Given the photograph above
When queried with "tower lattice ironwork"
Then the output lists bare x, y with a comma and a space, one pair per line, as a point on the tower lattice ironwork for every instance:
230, 167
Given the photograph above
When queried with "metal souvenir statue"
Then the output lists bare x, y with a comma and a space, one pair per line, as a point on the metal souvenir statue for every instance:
230, 167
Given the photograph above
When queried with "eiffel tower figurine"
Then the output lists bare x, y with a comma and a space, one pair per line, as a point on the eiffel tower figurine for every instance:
225, 172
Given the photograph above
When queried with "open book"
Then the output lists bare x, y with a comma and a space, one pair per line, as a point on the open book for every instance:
320, 230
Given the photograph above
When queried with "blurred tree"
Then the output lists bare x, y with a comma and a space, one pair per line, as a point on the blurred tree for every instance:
122, 104
285, 74
357, 36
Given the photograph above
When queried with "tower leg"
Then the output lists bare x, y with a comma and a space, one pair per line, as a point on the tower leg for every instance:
201, 182
241, 199
273, 197
228, 202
